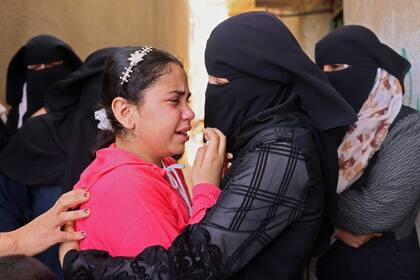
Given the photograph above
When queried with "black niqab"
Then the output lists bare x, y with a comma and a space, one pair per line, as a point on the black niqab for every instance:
358, 47
269, 75
41, 49
53, 149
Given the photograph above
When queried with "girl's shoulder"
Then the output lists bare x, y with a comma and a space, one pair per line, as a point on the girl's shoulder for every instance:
141, 177
128, 178
132, 187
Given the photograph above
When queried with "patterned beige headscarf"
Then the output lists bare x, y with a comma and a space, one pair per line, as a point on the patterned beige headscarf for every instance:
365, 136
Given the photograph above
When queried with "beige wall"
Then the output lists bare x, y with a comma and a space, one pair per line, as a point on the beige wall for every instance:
88, 25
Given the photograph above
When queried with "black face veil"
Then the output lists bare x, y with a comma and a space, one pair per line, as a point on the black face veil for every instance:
268, 73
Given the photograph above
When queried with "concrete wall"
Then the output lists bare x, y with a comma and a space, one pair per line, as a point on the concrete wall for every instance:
397, 24
308, 30
88, 25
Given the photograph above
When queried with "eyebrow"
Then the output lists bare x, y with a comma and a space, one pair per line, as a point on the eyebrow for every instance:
180, 92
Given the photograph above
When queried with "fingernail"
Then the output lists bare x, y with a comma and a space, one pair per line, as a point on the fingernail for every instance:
86, 211
86, 194
82, 234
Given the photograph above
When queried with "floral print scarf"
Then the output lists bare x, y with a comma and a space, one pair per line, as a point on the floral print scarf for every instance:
365, 136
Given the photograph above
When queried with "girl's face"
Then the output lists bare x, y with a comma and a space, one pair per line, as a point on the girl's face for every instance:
164, 116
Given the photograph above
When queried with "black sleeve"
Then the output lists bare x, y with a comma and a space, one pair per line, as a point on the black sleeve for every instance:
263, 194
191, 256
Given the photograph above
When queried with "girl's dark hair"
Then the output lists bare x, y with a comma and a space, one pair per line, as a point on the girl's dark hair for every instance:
145, 74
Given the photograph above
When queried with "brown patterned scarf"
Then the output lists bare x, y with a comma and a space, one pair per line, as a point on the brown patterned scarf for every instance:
365, 136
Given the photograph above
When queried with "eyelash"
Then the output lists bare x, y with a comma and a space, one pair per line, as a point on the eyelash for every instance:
177, 100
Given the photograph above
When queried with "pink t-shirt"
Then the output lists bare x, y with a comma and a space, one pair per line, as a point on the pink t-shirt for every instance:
133, 204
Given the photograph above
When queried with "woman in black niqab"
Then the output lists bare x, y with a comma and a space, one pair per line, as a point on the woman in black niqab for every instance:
37, 155
40, 63
270, 77
379, 193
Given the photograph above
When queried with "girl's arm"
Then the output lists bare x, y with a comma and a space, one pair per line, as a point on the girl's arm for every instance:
207, 173
204, 197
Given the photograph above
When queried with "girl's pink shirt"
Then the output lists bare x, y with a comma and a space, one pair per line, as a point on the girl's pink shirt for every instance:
133, 205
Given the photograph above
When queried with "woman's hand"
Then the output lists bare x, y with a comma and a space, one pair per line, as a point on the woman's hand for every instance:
45, 230
355, 240
227, 164
210, 158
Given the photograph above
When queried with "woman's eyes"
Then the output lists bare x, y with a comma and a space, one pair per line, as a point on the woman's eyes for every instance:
335, 67
217, 81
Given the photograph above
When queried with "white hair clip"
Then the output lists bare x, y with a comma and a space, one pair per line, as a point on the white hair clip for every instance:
104, 123
134, 59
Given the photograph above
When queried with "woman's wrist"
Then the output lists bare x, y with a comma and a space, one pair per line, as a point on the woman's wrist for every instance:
8, 243
24, 242
19, 237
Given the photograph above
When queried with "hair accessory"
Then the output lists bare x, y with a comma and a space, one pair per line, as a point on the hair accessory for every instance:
104, 123
134, 59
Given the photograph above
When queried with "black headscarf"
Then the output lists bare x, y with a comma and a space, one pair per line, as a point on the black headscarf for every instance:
358, 47
53, 149
269, 75
41, 49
